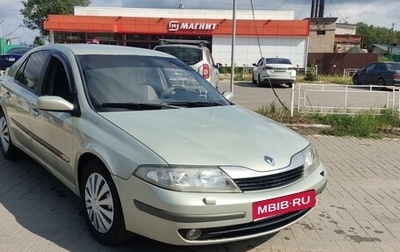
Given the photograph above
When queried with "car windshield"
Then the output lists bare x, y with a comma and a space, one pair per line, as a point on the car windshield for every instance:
189, 55
277, 61
126, 82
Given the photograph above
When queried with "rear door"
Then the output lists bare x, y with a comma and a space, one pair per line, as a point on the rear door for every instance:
368, 76
19, 93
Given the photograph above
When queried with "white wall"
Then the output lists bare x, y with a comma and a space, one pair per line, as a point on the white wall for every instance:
247, 50
182, 13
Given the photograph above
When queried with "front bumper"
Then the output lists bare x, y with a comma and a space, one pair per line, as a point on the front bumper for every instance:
168, 216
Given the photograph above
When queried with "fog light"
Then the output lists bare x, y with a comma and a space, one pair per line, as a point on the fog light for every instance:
193, 234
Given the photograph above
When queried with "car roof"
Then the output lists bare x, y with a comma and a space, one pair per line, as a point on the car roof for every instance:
96, 49
181, 45
19, 49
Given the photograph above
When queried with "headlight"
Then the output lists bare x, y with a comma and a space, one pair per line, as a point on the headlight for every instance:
187, 178
311, 159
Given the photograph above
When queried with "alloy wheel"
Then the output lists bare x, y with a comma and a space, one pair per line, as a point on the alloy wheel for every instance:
4, 134
99, 203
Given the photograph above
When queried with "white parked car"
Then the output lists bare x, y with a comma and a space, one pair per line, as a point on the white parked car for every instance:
270, 71
152, 148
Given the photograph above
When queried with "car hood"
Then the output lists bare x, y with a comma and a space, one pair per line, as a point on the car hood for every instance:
226, 135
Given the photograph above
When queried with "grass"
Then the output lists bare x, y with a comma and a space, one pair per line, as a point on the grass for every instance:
335, 79
363, 124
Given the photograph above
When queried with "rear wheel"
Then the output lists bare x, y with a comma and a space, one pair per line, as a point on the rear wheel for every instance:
9, 150
103, 211
380, 82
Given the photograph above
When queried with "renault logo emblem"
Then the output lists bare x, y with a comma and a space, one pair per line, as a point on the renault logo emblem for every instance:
269, 160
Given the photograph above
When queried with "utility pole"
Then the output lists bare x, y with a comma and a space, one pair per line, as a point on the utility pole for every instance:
233, 45
390, 46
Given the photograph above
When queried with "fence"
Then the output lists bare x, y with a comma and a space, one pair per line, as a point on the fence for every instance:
344, 99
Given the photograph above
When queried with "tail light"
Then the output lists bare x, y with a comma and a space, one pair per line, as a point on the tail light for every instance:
206, 71
268, 68
396, 76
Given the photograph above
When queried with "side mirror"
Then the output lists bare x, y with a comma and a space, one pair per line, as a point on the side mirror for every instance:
218, 65
54, 103
254, 64
228, 95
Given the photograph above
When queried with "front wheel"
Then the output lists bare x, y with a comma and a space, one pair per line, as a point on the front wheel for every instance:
356, 80
253, 80
9, 150
103, 211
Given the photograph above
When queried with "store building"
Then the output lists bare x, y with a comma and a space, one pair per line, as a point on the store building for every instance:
264, 33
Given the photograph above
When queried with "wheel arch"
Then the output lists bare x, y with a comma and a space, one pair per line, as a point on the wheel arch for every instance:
83, 161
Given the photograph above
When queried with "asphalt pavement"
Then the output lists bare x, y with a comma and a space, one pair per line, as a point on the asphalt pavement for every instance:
358, 211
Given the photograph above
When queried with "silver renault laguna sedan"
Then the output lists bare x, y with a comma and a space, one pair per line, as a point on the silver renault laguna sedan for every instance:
152, 148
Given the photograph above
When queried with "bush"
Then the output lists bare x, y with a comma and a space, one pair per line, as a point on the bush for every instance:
311, 74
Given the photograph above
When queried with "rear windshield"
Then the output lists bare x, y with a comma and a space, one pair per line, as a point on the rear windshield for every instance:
277, 61
393, 66
190, 56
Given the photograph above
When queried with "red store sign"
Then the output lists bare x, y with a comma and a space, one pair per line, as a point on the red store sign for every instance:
174, 26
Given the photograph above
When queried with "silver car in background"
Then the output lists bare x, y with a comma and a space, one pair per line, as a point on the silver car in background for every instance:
152, 148
197, 56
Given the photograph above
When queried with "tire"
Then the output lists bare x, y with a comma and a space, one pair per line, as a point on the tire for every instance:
259, 82
8, 149
380, 82
356, 80
254, 81
290, 85
108, 230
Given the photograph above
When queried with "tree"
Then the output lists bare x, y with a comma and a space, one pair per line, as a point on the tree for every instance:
376, 35
35, 11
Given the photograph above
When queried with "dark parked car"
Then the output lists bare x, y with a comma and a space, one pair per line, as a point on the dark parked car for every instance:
378, 73
7, 59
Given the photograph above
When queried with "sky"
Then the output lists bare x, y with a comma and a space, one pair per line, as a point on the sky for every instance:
383, 13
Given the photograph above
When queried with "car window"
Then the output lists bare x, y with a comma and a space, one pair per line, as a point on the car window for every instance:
370, 67
393, 66
278, 61
260, 62
56, 81
189, 55
28, 74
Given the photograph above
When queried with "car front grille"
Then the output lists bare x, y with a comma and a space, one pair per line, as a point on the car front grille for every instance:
270, 181
251, 228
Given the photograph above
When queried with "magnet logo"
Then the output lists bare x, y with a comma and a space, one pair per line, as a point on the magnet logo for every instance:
175, 26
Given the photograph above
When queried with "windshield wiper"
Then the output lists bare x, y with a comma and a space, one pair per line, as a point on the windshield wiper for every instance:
137, 106
190, 104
